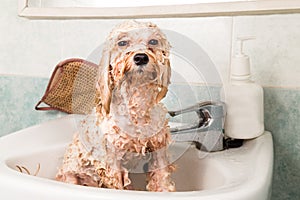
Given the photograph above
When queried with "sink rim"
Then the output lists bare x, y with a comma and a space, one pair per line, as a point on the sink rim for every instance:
231, 185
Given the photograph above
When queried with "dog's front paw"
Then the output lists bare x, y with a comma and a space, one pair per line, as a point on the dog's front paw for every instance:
160, 180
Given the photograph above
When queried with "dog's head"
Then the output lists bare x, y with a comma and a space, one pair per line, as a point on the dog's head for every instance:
138, 51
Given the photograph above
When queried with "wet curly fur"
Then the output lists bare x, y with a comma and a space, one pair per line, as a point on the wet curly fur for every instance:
133, 78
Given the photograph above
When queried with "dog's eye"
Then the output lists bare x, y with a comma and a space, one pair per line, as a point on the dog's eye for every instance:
122, 43
153, 42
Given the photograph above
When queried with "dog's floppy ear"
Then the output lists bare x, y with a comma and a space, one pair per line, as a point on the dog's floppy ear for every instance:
105, 83
165, 80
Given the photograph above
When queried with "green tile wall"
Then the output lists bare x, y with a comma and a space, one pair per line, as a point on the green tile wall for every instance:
18, 96
282, 118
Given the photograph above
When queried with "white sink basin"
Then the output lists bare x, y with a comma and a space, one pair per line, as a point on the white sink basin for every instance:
235, 174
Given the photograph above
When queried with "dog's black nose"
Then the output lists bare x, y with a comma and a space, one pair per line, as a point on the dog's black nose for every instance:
141, 59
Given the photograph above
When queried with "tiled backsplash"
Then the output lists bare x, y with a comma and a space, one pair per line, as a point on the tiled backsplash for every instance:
282, 114
19, 96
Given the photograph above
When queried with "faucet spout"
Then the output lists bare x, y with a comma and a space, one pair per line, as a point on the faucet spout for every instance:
207, 132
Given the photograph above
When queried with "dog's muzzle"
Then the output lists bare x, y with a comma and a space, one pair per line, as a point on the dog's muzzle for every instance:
141, 59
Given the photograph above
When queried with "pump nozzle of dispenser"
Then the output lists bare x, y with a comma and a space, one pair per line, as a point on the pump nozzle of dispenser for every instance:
240, 41
240, 65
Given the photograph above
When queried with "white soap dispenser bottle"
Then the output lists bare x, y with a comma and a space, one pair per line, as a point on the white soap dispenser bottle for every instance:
243, 98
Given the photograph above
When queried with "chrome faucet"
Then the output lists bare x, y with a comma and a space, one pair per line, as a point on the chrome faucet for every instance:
207, 132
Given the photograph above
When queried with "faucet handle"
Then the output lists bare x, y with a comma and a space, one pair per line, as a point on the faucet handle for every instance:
195, 107
207, 112
208, 132
201, 105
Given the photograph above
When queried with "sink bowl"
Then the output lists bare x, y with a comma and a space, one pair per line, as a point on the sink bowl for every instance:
233, 174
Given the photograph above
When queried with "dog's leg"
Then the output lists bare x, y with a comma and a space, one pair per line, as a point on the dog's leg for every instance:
116, 176
78, 167
159, 177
